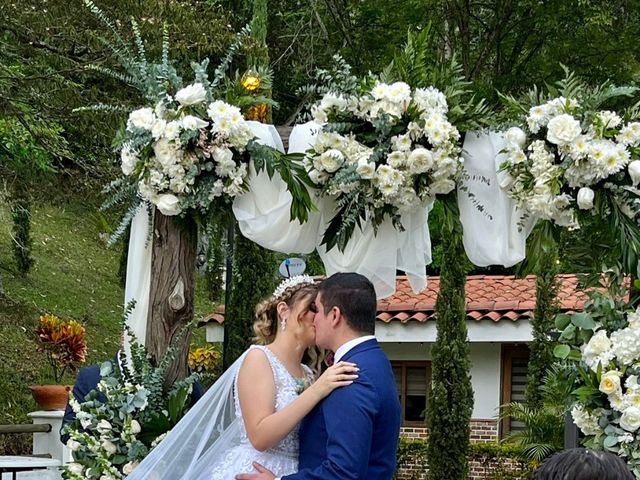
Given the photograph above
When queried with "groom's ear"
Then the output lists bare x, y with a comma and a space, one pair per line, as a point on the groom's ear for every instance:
337, 317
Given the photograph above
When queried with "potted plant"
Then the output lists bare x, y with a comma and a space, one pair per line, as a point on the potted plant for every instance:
64, 342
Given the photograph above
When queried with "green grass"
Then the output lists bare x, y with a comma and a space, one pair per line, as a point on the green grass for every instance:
74, 276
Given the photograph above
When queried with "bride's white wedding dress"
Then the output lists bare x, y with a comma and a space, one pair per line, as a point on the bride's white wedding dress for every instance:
281, 459
210, 442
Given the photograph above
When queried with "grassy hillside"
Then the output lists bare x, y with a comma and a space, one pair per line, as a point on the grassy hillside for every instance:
74, 276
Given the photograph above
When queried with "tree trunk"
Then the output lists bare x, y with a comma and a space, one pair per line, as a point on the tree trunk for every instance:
172, 291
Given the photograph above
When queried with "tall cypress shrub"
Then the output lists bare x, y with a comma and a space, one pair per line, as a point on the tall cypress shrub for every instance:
21, 217
254, 267
451, 400
254, 278
541, 348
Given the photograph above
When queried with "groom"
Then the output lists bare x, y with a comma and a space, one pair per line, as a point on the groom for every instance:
353, 433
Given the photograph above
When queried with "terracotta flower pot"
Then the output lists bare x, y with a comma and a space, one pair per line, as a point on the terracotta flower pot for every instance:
51, 397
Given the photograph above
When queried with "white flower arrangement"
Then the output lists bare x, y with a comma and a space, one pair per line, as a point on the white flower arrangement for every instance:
126, 416
605, 404
183, 159
382, 152
570, 155
105, 442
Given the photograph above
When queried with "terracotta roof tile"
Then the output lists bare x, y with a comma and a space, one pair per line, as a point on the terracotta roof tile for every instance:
488, 297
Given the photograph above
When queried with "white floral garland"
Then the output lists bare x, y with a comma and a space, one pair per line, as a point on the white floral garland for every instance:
565, 155
393, 145
182, 161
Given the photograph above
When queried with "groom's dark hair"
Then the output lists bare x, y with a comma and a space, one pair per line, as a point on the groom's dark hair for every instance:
355, 296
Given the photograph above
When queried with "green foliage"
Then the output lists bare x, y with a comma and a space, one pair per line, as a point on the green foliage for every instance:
254, 278
22, 242
495, 461
215, 261
419, 65
543, 434
292, 172
542, 323
451, 400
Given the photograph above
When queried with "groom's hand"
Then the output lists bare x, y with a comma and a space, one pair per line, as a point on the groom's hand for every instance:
263, 474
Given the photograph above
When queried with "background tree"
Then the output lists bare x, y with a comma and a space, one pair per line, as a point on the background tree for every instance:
544, 250
254, 268
451, 400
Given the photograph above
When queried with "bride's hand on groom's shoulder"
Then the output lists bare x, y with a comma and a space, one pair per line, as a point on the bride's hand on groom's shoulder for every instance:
261, 474
340, 374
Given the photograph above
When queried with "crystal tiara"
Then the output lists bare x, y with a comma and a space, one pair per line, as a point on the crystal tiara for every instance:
291, 282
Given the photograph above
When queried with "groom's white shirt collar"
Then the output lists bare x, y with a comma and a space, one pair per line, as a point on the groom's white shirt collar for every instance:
345, 347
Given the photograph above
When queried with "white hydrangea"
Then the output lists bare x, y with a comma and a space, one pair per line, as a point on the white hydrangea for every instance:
626, 345
597, 350
586, 421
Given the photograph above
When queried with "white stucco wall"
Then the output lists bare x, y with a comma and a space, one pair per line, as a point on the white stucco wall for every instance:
485, 371
478, 331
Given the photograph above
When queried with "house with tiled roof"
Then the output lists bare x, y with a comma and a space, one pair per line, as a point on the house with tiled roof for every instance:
498, 313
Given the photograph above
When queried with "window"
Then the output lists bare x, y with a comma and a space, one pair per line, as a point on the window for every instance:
515, 366
412, 380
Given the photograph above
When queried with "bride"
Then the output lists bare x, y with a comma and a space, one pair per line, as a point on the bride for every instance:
252, 412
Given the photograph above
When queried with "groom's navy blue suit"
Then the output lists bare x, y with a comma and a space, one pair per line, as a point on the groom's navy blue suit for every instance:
353, 433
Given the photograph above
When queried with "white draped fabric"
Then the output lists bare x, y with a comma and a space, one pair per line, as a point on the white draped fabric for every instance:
263, 216
491, 236
138, 281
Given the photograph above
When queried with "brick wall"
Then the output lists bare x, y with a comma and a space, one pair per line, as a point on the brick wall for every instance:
481, 431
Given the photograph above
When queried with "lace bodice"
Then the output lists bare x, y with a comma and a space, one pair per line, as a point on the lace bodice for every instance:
286, 392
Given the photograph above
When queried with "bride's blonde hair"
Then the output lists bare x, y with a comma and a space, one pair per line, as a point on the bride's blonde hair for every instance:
265, 325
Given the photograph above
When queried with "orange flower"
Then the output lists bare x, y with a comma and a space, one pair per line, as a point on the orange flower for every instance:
258, 112
64, 342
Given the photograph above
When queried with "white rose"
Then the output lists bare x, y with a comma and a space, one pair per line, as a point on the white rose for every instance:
318, 177
141, 118
634, 172
104, 426
75, 468
129, 467
108, 447
172, 130
630, 419
420, 160
129, 159
610, 382
366, 169
563, 129
166, 152
222, 155
135, 427
190, 122
331, 160
442, 186
192, 94
168, 204
516, 137
585, 198
73, 445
